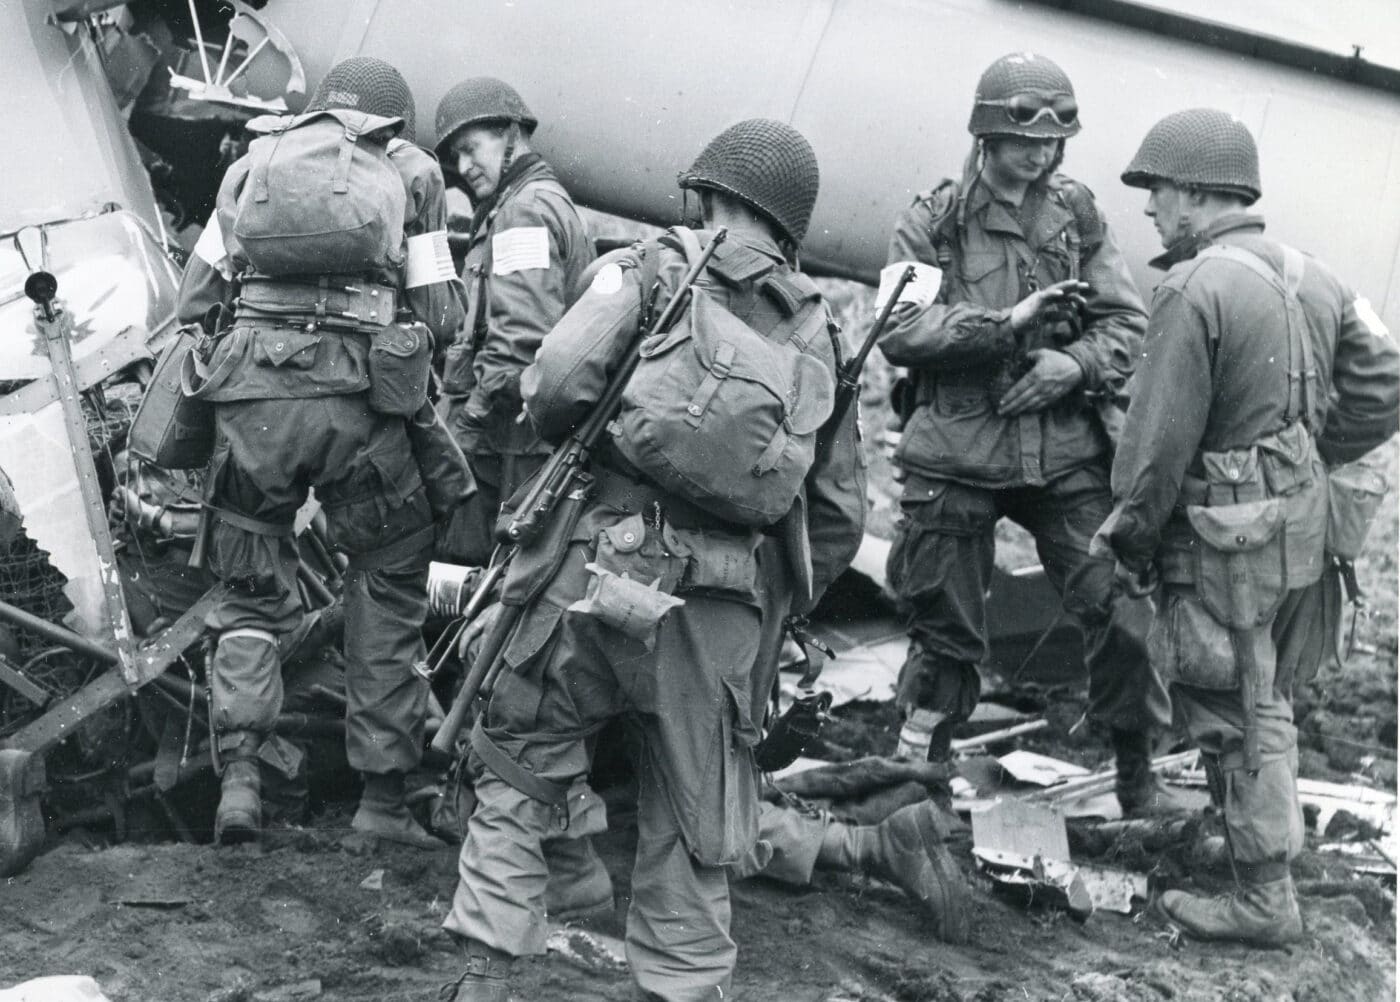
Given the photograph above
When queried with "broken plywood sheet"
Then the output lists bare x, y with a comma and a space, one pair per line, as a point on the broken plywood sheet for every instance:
1022, 829
1025, 847
1046, 881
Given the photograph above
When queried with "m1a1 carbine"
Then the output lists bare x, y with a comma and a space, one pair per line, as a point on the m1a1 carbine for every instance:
563, 476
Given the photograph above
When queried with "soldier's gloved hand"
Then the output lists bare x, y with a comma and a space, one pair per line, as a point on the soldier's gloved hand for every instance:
1135, 583
476, 629
1060, 299
1052, 375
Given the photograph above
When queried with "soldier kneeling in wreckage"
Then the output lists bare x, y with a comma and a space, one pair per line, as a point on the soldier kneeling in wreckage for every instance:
656, 595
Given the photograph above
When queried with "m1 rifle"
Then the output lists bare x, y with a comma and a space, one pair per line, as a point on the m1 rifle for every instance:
564, 475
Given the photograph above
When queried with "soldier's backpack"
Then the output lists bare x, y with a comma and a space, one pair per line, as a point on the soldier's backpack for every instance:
724, 416
321, 196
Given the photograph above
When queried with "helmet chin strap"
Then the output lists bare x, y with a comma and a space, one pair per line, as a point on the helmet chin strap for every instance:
512, 134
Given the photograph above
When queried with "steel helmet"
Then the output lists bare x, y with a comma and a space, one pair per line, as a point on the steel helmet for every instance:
1199, 148
767, 165
1024, 94
367, 84
477, 100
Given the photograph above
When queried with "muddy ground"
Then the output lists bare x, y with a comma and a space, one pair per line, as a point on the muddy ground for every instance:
318, 911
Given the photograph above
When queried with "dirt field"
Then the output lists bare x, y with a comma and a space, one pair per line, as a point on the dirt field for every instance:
318, 912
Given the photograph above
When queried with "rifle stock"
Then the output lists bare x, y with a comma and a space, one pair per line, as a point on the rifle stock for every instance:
555, 481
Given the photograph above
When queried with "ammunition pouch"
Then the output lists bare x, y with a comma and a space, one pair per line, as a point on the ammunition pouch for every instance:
399, 360
1241, 561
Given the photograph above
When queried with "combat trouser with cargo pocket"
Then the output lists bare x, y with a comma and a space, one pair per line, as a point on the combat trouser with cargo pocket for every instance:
940, 567
585, 651
269, 453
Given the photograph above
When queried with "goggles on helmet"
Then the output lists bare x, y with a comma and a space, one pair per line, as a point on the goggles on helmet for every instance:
1027, 109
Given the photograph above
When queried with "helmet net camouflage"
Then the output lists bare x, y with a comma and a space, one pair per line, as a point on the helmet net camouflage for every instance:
1201, 148
370, 85
477, 100
767, 165
1019, 73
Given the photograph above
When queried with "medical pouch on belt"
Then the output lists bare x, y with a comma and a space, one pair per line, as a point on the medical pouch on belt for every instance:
725, 417
632, 577
321, 196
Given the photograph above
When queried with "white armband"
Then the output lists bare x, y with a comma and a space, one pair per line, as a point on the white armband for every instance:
520, 248
1369, 318
210, 248
429, 260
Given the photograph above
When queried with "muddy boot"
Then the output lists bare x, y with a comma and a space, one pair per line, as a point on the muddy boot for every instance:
1263, 913
239, 815
579, 884
1140, 793
486, 979
907, 850
384, 814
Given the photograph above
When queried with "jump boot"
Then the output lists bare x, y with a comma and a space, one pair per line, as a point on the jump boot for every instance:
907, 850
239, 815
384, 814
579, 884
486, 979
1140, 793
927, 736
1263, 911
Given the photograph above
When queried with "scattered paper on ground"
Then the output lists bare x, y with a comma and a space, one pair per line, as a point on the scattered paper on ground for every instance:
1041, 770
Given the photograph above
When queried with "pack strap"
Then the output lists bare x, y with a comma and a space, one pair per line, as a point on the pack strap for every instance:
715, 376
647, 273
1302, 373
340, 184
690, 243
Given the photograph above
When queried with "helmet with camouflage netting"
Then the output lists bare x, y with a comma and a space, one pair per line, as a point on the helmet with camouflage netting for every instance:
767, 165
477, 101
1024, 94
367, 84
1198, 148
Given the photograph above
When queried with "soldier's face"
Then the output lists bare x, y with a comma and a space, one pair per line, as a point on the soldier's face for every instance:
480, 151
1020, 159
1167, 207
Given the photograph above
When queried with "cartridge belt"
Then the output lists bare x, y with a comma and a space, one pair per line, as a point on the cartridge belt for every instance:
327, 300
